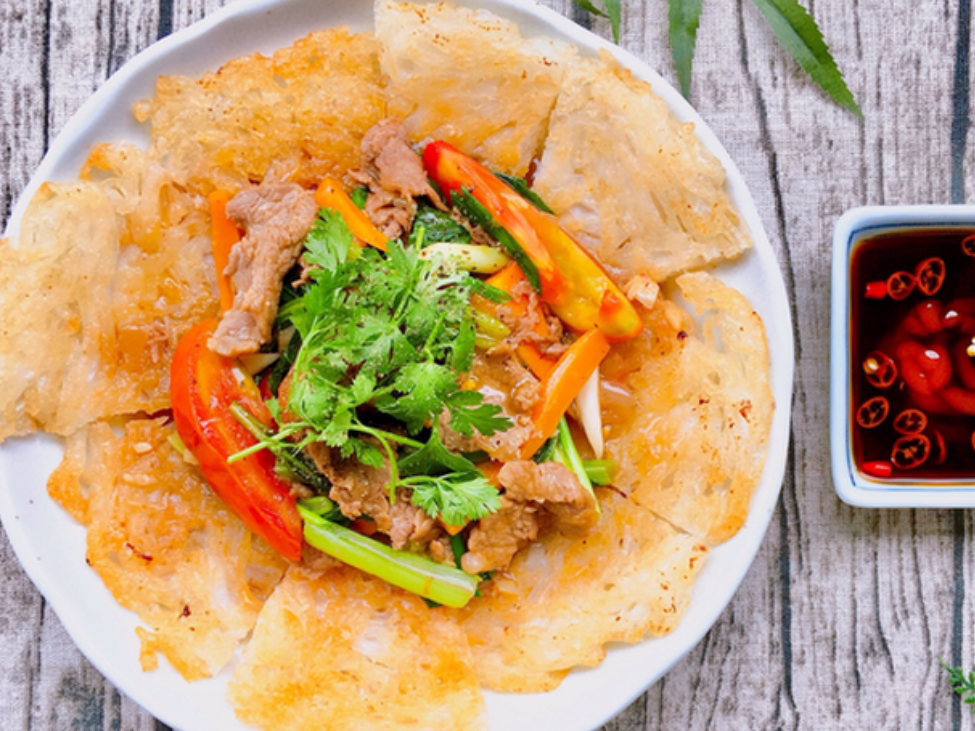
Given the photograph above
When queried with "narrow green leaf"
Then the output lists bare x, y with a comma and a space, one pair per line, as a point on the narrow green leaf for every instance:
685, 16
614, 11
798, 32
586, 5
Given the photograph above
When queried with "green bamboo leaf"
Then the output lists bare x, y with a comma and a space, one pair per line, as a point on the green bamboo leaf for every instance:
586, 5
798, 32
685, 16
614, 11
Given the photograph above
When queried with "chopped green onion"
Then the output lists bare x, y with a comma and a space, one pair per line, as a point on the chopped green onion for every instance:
600, 471
490, 326
436, 582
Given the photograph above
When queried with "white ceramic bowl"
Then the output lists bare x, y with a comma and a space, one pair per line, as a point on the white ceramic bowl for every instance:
51, 546
853, 485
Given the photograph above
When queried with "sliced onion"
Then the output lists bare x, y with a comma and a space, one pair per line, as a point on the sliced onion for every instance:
471, 257
257, 362
590, 415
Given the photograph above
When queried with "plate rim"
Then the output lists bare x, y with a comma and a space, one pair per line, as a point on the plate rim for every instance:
782, 360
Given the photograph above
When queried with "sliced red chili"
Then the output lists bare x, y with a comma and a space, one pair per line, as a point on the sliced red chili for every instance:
930, 275
910, 421
900, 285
876, 290
968, 245
880, 369
878, 469
873, 412
910, 451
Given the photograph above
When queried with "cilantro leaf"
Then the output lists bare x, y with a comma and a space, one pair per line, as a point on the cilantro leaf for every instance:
456, 499
433, 458
424, 387
328, 242
468, 412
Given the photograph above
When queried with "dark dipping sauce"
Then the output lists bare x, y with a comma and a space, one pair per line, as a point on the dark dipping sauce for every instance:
912, 341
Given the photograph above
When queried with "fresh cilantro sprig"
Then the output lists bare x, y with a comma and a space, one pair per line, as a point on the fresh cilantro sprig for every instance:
963, 684
455, 499
386, 335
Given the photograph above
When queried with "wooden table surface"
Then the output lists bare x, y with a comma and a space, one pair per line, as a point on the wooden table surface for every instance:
840, 620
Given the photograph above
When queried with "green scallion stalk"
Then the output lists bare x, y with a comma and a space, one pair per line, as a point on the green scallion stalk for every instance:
436, 582
567, 454
600, 471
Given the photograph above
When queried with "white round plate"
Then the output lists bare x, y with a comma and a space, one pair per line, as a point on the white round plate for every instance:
51, 546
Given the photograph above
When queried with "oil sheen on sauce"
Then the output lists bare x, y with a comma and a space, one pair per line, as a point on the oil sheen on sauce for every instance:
912, 345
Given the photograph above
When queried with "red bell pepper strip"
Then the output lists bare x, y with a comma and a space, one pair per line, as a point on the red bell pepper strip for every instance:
561, 386
203, 385
225, 234
331, 194
576, 287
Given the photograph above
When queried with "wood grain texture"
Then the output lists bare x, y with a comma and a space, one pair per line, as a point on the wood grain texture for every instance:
840, 620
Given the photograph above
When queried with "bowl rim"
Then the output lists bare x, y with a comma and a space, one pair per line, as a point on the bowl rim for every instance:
851, 485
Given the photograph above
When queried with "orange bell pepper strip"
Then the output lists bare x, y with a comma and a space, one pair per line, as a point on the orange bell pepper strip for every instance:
506, 280
561, 386
225, 234
331, 194
203, 386
572, 282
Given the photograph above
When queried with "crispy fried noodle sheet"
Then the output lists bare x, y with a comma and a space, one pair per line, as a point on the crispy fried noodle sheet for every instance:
107, 273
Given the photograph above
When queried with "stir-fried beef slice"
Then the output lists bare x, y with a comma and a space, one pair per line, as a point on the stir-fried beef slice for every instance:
554, 488
395, 176
276, 218
525, 328
360, 490
535, 494
495, 540
411, 525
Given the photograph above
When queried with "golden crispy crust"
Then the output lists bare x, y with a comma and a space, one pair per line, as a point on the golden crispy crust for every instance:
631, 182
470, 78
168, 549
296, 116
341, 650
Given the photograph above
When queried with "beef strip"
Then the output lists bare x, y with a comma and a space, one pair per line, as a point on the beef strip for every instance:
395, 176
495, 540
276, 218
533, 493
360, 490
555, 488
411, 525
